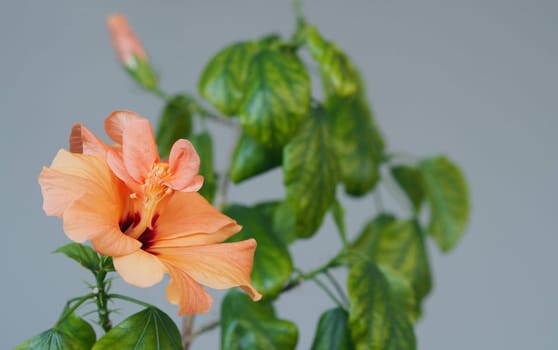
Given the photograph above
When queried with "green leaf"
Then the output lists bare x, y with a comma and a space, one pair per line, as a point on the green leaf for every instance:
106, 263
277, 97
250, 159
333, 331
336, 69
267, 210
400, 246
83, 254
246, 325
410, 180
358, 143
377, 316
175, 123
402, 291
284, 222
223, 79
272, 261
448, 196
270, 40
73, 333
310, 171
150, 329
204, 146
339, 217
279, 217
366, 242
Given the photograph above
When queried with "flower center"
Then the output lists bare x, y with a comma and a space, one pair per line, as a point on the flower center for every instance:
153, 192
153, 187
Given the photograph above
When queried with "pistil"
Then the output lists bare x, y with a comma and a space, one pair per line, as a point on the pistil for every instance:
153, 192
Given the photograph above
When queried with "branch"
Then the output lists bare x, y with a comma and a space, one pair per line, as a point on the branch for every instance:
196, 107
187, 340
187, 337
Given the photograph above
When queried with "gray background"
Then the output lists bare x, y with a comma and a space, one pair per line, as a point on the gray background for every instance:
474, 79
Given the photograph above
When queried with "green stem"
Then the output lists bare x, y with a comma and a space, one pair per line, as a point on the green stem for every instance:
187, 336
297, 8
327, 291
404, 157
130, 299
205, 114
337, 287
344, 239
330, 264
312, 275
163, 95
102, 299
69, 310
196, 107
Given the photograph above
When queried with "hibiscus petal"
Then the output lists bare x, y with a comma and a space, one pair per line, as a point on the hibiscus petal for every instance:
184, 165
195, 185
196, 238
139, 149
189, 213
60, 190
116, 164
117, 121
89, 219
218, 266
140, 269
72, 176
112, 242
86, 166
187, 293
84, 141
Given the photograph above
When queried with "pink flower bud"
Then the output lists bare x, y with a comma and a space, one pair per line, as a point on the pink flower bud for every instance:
125, 42
130, 52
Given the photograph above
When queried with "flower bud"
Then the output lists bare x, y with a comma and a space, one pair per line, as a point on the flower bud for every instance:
130, 51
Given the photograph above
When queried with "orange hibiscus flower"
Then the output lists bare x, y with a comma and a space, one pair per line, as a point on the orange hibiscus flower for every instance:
146, 213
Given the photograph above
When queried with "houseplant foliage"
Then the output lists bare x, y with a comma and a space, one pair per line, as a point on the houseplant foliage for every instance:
324, 142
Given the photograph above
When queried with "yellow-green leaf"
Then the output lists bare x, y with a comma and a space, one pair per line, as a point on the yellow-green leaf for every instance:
378, 319
272, 260
358, 142
448, 197
310, 171
222, 82
367, 241
248, 325
251, 158
399, 245
410, 180
338, 213
276, 97
284, 222
338, 73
